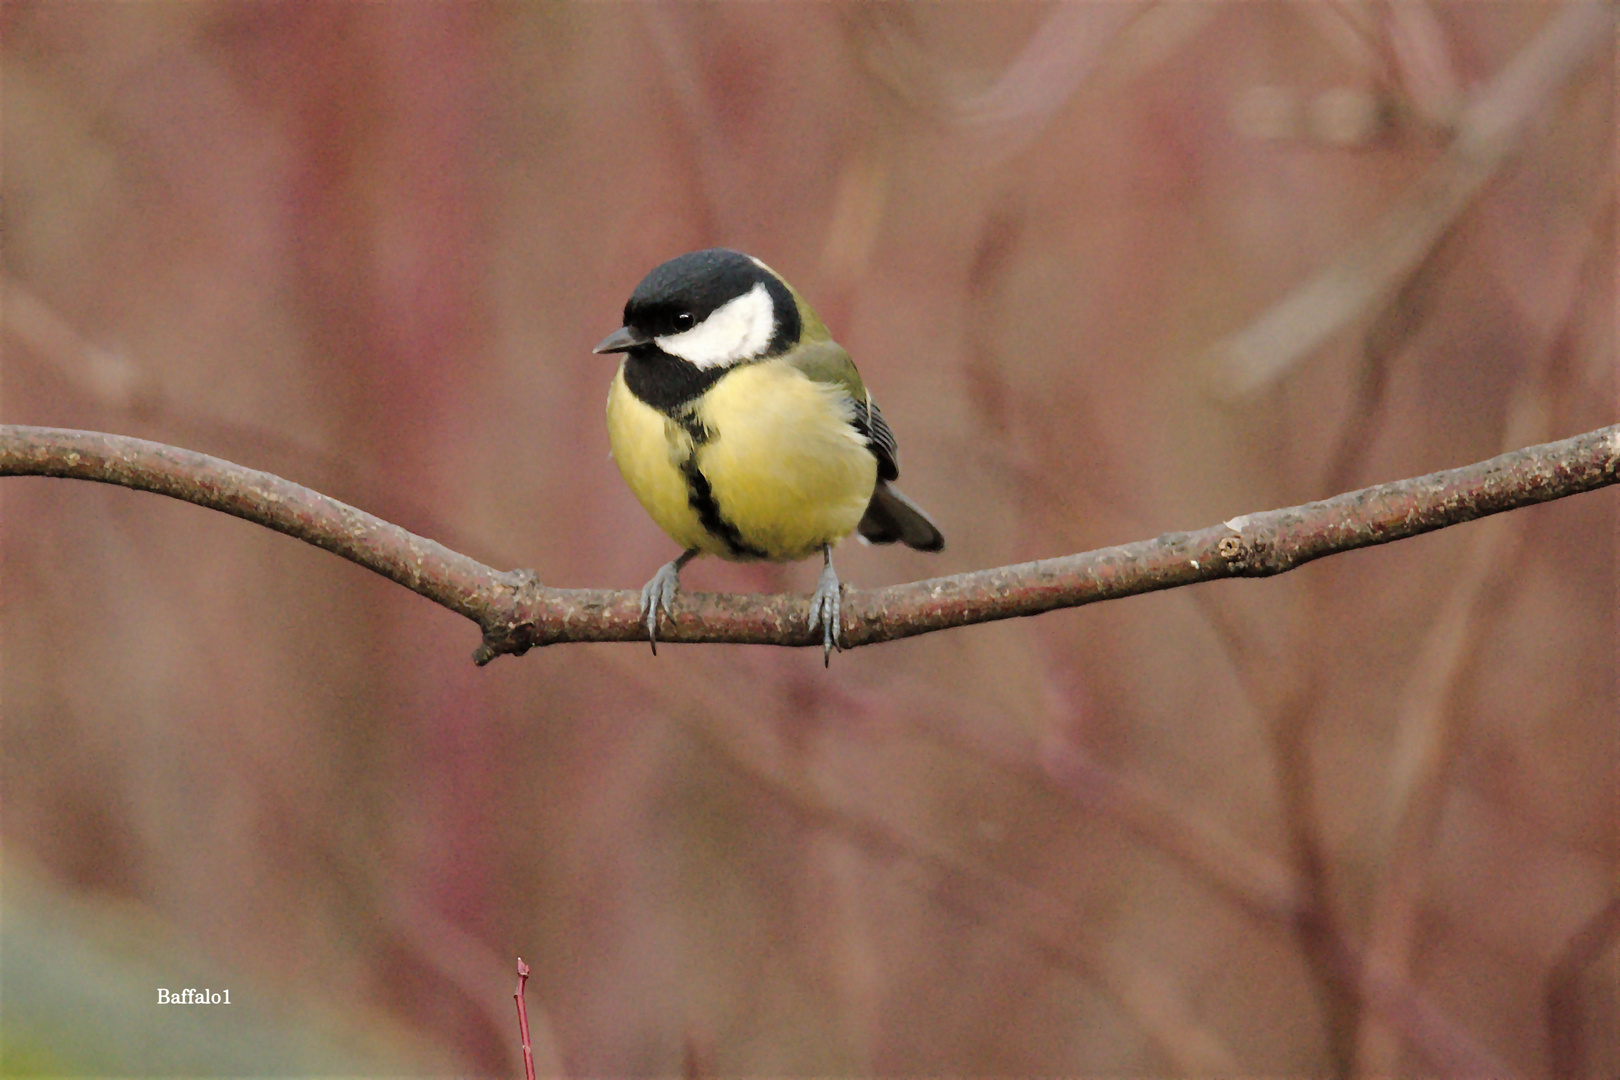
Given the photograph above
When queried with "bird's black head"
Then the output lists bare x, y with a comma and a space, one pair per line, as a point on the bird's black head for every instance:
710, 309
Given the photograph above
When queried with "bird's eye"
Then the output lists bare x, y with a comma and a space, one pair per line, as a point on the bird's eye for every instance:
684, 321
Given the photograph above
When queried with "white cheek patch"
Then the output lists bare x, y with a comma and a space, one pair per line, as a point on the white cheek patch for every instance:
737, 330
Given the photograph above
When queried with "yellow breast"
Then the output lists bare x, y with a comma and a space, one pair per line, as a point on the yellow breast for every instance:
785, 468
649, 447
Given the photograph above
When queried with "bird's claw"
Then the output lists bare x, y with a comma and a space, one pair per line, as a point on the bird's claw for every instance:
825, 611
659, 593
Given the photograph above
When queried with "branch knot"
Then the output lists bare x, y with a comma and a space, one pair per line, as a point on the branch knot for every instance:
511, 627
1242, 553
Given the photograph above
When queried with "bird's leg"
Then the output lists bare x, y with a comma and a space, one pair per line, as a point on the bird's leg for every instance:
824, 607
660, 593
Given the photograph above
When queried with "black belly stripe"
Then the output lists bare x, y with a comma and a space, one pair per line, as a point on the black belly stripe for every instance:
695, 428
700, 496
673, 388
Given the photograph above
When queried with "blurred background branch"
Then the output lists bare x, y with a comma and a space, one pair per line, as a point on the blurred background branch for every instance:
1487, 126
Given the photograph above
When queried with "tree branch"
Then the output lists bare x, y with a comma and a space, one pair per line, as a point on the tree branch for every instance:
516, 612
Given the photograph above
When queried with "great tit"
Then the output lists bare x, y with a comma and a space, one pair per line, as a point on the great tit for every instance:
745, 431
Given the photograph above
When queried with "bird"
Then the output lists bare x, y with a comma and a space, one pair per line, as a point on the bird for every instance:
745, 432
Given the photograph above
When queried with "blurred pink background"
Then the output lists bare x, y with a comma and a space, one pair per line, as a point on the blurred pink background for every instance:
1111, 270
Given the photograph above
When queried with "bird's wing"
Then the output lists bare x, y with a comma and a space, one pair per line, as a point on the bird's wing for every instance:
827, 362
869, 422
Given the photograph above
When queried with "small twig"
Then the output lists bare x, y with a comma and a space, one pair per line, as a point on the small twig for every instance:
523, 1020
517, 613
464, 961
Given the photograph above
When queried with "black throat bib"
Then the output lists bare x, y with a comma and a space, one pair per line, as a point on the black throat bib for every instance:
665, 382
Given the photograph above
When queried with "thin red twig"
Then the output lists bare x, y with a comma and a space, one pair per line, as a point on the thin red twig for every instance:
523, 1020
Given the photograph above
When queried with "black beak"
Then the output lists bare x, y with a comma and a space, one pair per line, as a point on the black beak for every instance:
621, 339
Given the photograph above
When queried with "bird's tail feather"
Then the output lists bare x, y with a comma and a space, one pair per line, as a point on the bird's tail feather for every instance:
890, 516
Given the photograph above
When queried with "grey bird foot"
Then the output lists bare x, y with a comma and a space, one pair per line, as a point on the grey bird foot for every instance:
825, 607
660, 593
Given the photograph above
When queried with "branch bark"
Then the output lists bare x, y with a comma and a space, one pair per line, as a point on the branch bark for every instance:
516, 612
